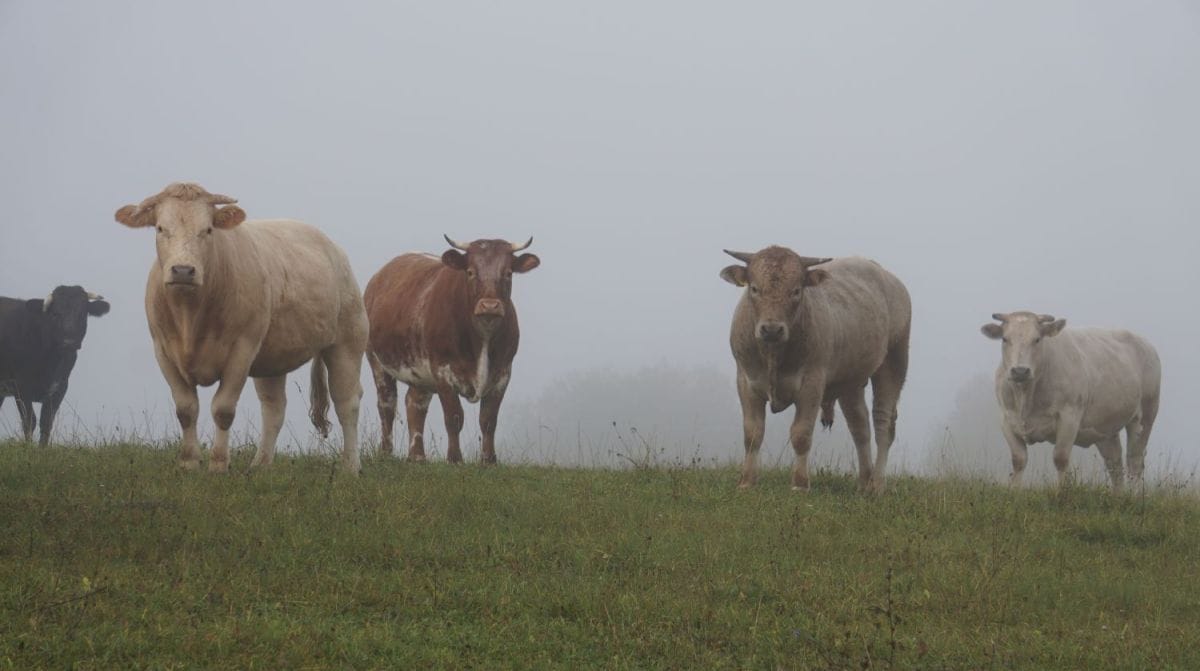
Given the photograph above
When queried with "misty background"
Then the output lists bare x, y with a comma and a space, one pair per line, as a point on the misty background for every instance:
994, 156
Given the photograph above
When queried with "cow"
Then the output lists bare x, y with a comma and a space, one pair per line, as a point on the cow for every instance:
445, 326
227, 300
811, 331
1078, 386
39, 342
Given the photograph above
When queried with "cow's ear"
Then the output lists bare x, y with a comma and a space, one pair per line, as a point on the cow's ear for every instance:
993, 331
815, 276
454, 259
98, 308
35, 305
135, 217
735, 275
229, 216
1052, 328
525, 263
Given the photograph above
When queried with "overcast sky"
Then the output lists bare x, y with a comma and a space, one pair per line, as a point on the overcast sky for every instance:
994, 155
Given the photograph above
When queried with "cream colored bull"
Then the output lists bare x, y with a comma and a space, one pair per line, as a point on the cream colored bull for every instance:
1074, 387
227, 300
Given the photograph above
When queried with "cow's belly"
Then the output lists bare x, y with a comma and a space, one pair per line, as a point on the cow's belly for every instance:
274, 364
415, 373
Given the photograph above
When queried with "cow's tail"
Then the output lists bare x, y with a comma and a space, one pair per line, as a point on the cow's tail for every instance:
319, 400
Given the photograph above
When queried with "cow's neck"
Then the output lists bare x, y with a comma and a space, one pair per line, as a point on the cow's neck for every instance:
195, 311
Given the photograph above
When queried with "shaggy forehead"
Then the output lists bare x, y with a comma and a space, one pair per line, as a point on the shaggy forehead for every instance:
1022, 322
488, 251
172, 209
776, 265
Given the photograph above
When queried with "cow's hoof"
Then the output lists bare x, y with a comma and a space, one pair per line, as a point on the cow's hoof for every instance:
218, 467
416, 459
189, 464
874, 487
798, 488
745, 485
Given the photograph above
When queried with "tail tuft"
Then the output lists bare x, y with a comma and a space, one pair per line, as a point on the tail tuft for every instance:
827, 415
319, 396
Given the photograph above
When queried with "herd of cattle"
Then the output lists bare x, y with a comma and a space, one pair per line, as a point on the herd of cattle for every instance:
229, 299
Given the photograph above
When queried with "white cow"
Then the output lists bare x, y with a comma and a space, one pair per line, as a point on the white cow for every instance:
1075, 387
228, 300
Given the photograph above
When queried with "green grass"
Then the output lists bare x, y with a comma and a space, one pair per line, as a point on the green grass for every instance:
110, 558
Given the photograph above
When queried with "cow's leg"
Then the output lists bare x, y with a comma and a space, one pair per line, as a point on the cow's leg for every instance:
808, 405
854, 409
224, 402
345, 371
272, 396
385, 393
1068, 429
453, 411
489, 412
28, 418
885, 389
754, 413
1135, 445
1020, 454
49, 412
416, 407
1110, 449
187, 409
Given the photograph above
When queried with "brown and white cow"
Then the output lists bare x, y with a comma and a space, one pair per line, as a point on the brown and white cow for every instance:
808, 332
445, 326
227, 300
1074, 387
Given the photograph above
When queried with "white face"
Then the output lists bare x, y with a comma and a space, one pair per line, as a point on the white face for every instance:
184, 236
1022, 335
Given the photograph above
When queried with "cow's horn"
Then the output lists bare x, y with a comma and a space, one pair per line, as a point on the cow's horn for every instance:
517, 248
1045, 319
46, 303
1000, 316
94, 296
455, 244
807, 261
744, 257
218, 199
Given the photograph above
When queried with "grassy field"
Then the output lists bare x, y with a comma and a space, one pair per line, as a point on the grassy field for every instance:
110, 558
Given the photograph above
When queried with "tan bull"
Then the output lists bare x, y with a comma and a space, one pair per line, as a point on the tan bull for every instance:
808, 332
227, 300
1074, 387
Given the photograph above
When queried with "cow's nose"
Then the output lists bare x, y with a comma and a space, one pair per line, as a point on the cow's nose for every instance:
1019, 373
183, 274
770, 332
489, 307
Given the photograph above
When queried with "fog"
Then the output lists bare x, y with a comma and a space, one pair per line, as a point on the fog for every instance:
994, 156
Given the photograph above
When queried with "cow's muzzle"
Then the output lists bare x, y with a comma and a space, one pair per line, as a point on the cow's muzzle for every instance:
489, 308
1020, 374
772, 332
185, 275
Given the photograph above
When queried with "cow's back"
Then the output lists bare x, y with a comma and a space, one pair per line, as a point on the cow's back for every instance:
14, 337
855, 317
1109, 373
404, 311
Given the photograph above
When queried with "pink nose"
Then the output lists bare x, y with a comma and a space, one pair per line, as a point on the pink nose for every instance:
489, 307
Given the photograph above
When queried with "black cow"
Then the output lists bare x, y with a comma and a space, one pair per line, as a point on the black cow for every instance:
39, 340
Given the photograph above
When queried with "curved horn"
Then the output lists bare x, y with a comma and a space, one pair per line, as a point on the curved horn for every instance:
1045, 319
218, 199
1000, 316
744, 257
94, 296
46, 303
517, 248
807, 261
455, 244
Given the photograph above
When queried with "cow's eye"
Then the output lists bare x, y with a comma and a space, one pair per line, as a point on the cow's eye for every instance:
1005, 339
1037, 340
208, 231
471, 273
753, 289
159, 229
